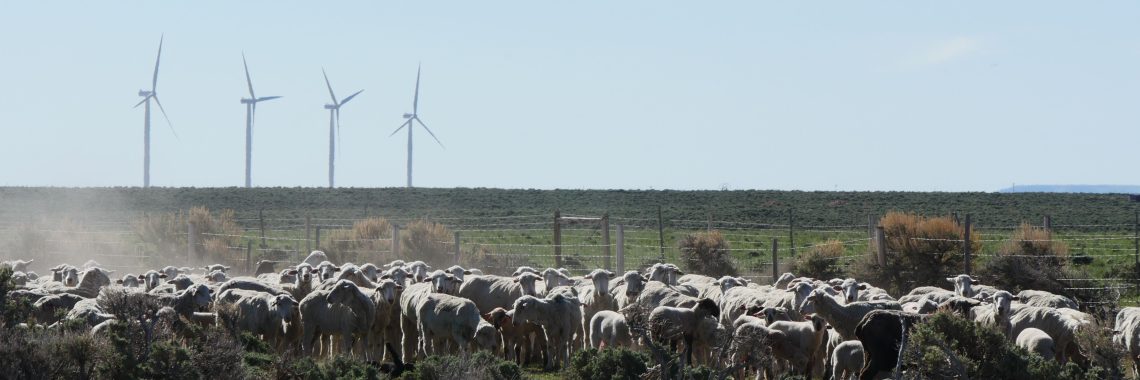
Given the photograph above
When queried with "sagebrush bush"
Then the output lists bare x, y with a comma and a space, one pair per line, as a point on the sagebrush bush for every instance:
707, 253
1029, 260
363, 243
610, 363
820, 261
214, 233
427, 241
921, 251
481, 365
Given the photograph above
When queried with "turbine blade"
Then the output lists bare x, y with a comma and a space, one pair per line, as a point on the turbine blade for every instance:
164, 116
141, 101
264, 98
248, 81
416, 99
330, 86
154, 80
429, 131
401, 127
342, 102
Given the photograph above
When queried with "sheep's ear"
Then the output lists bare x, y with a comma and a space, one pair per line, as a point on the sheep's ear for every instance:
225, 267
680, 273
141, 278
466, 272
162, 275
862, 287
1015, 298
399, 287
588, 277
291, 272
609, 273
716, 283
837, 288
336, 269
118, 281
385, 277
429, 280
645, 277
516, 280
487, 317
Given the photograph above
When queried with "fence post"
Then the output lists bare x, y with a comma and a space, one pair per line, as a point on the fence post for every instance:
261, 222
1048, 223
709, 227
395, 240
620, 249
966, 243
660, 233
189, 242
458, 252
881, 245
775, 259
318, 238
557, 238
791, 232
1136, 236
606, 239
308, 243
870, 234
248, 256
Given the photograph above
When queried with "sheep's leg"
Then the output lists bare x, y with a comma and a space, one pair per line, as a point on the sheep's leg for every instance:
410, 339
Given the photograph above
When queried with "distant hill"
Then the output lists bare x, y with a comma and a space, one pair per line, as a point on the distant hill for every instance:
1088, 189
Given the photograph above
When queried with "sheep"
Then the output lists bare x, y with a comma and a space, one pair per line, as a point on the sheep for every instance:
846, 360
410, 299
1046, 299
88, 310
882, 332
342, 311
187, 301
326, 270
524, 269
596, 297
250, 284
552, 278
216, 277
843, 318
715, 289
963, 285
394, 264
518, 341
1063, 329
850, 289
627, 288
666, 273
489, 292
457, 271
418, 270
783, 281
172, 272
1036, 341
128, 281
151, 279
385, 296
1126, 334
257, 312
791, 299
66, 274
445, 318
661, 294
922, 306
49, 307
667, 323
181, 282
487, 337
804, 337
303, 282
736, 301
216, 268
87, 286
315, 258
560, 318
17, 265
609, 328
264, 267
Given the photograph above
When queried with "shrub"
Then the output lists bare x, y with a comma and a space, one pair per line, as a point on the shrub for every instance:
707, 253
1028, 260
362, 243
820, 261
480, 365
427, 241
607, 364
214, 233
920, 251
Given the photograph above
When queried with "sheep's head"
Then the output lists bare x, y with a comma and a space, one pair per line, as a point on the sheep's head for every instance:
444, 283
802, 291
601, 279
527, 281
399, 275
388, 290
487, 337
634, 283
524, 309
327, 270
498, 317
287, 276
959, 305
217, 276
70, 276
371, 271
216, 267
963, 284
666, 273
1002, 301
304, 274
553, 278
812, 299
850, 289
151, 279
169, 271
284, 304
458, 271
418, 270
784, 280
728, 282
200, 295
394, 264
91, 264
708, 307
523, 269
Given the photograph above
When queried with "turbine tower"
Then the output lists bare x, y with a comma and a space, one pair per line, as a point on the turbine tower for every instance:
334, 123
147, 96
250, 112
410, 117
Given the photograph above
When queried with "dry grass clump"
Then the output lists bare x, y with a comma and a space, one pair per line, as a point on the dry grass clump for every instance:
427, 241
367, 241
820, 261
707, 253
921, 251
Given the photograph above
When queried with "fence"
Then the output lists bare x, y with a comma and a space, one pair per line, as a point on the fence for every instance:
759, 249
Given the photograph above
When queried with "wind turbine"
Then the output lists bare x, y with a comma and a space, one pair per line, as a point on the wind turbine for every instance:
250, 111
410, 117
147, 96
334, 123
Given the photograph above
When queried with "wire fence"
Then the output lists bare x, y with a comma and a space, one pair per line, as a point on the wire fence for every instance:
580, 242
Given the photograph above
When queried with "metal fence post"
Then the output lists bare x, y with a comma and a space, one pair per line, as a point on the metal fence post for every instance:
791, 232
606, 239
248, 256
557, 239
966, 246
458, 252
190, 242
308, 243
775, 259
881, 245
661, 233
620, 249
396, 240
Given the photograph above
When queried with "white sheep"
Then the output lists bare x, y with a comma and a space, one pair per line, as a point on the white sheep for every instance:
247, 283
667, 323
257, 312
596, 297
342, 311
443, 318
489, 292
627, 288
1045, 299
611, 329
326, 270
418, 270
846, 360
843, 318
1126, 333
48, 308
17, 265
1063, 329
552, 278
457, 271
963, 285
385, 296
560, 318
1036, 341
188, 301
128, 281
410, 299
151, 279
315, 258
804, 338
791, 299
216, 268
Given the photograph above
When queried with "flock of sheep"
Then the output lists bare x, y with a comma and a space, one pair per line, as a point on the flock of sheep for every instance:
403, 311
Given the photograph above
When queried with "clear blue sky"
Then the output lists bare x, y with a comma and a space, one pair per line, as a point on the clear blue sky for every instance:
886, 95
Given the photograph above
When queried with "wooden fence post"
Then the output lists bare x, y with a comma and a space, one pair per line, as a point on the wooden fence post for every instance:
1048, 224
395, 240
881, 245
308, 243
1136, 236
557, 238
709, 226
775, 259
791, 232
190, 242
606, 239
661, 233
620, 249
870, 234
966, 246
261, 222
318, 238
248, 256
458, 252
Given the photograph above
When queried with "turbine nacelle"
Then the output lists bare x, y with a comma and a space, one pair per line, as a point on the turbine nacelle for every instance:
409, 116
145, 93
247, 101
331, 106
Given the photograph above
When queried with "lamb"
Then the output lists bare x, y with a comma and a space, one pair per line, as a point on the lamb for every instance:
1063, 329
216, 277
445, 318
487, 337
1036, 341
385, 296
609, 328
518, 341
315, 258
667, 323
881, 332
342, 311
804, 338
560, 318
257, 312
843, 318
846, 360
1046, 299
216, 268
